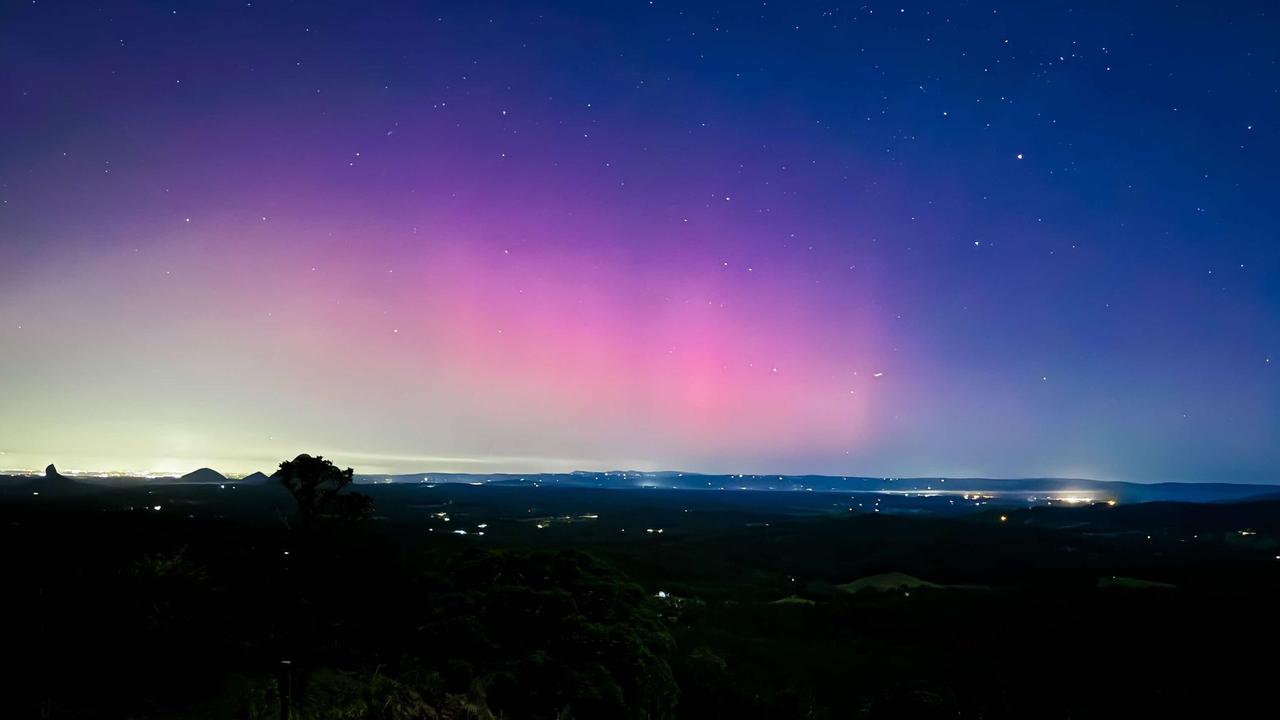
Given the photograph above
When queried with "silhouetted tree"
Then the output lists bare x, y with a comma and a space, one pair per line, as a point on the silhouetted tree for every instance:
317, 485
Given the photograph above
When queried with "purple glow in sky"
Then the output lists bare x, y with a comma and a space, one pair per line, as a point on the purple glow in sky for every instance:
910, 240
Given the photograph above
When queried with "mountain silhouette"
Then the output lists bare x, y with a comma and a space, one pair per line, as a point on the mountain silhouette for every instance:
203, 475
55, 480
53, 483
256, 478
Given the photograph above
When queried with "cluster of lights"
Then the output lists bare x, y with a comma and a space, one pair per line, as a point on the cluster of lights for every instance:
1072, 499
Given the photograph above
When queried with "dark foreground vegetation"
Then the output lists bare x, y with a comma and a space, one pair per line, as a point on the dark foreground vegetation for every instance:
186, 602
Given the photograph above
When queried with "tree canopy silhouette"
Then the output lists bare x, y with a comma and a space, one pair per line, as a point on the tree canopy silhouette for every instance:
317, 486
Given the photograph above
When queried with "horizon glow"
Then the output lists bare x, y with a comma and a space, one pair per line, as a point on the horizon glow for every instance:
944, 241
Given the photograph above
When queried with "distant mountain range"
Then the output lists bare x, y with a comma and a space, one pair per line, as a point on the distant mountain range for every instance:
53, 480
1068, 489
1060, 490
208, 476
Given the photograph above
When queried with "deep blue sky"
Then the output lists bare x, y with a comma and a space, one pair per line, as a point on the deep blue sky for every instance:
632, 234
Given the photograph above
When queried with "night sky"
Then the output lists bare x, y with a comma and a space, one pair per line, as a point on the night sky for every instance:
886, 239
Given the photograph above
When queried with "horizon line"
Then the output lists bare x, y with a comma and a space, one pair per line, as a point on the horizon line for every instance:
128, 474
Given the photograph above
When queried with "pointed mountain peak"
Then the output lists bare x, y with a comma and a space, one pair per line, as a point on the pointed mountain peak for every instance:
203, 475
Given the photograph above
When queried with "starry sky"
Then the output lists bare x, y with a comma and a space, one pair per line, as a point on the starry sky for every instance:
950, 238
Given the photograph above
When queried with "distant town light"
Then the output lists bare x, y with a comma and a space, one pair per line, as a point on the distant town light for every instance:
1073, 499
